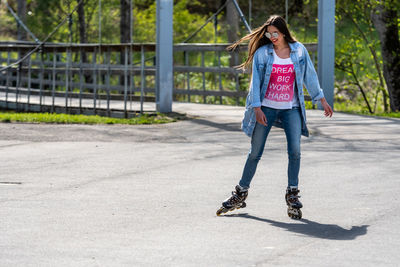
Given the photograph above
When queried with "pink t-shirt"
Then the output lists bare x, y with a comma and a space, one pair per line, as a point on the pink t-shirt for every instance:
281, 90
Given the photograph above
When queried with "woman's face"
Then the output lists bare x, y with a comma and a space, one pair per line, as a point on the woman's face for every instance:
276, 40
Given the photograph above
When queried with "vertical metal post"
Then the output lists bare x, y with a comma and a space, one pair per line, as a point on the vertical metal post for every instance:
96, 85
204, 77
108, 80
80, 80
53, 89
17, 86
29, 82
71, 77
219, 76
41, 78
16, 82
100, 80
187, 75
142, 77
94, 59
126, 81
66, 81
326, 47
131, 75
164, 56
8, 75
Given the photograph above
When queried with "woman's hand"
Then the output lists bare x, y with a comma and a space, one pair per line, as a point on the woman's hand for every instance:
328, 112
260, 116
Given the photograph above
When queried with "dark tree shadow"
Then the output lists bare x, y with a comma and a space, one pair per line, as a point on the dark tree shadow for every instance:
313, 229
231, 127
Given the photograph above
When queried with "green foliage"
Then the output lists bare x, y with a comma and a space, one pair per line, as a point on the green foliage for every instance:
7, 116
144, 24
7, 24
358, 59
184, 24
356, 36
304, 24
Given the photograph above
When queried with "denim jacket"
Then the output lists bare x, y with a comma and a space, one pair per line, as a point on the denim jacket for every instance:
261, 72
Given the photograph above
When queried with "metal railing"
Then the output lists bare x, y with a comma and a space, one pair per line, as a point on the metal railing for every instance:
116, 79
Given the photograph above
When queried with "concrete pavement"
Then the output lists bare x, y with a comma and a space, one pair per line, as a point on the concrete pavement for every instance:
112, 195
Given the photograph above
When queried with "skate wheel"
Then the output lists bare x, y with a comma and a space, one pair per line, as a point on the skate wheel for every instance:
295, 213
221, 210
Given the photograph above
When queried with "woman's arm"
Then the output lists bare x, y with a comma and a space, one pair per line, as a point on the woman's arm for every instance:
255, 90
328, 112
255, 82
260, 116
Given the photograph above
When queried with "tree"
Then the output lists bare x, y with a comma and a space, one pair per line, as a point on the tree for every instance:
21, 12
125, 31
82, 22
232, 21
385, 17
357, 49
83, 35
125, 22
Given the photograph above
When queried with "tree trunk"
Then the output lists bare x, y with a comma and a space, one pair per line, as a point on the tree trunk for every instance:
125, 30
125, 22
82, 22
83, 36
296, 7
385, 22
232, 21
22, 35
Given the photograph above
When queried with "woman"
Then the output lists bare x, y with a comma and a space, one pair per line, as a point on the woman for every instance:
280, 67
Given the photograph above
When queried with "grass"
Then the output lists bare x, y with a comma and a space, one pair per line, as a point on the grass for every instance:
11, 116
383, 114
354, 108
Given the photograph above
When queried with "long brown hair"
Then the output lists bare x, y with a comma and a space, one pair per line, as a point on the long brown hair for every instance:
257, 38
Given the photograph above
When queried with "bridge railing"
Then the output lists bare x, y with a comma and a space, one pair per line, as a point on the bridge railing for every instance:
116, 79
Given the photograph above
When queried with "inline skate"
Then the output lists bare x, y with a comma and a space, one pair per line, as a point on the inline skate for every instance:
236, 201
293, 203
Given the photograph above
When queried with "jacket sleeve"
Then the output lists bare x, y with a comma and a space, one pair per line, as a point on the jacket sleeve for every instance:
255, 83
311, 79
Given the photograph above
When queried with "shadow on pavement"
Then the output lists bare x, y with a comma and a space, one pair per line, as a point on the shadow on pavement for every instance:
313, 229
231, 127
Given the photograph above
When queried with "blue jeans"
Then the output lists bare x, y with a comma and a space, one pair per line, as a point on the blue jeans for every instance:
291, 122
